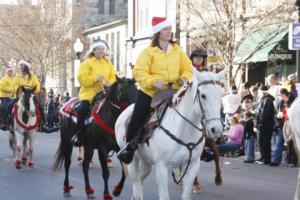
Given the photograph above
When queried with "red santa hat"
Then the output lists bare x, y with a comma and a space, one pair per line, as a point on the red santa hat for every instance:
159, 23
25, 62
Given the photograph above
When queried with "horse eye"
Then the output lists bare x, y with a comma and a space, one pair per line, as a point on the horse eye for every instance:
203, 96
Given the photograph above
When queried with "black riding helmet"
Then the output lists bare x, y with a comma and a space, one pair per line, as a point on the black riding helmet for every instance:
198, 52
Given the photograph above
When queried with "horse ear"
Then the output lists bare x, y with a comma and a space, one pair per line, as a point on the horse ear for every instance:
197, 74
33, 90
23, 89
221, 74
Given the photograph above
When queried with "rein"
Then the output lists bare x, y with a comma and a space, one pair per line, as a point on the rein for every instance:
191, 145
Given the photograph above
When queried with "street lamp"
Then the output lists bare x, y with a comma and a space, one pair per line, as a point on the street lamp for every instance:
78, 48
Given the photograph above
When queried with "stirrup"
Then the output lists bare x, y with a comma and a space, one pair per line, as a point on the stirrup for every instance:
76, 141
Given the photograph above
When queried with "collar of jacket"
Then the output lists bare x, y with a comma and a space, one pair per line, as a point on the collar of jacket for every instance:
101, 60
157, 49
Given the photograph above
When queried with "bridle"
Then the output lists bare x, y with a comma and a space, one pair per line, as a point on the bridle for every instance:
191, 145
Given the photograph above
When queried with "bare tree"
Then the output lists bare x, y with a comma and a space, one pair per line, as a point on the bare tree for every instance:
224, 24
40, 33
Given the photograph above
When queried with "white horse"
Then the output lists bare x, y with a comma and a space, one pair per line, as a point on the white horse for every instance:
195, 110
294, 121
26, 119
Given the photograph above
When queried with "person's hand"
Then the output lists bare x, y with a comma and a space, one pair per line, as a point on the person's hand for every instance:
159, 84
279, 115
181, 80
100, 77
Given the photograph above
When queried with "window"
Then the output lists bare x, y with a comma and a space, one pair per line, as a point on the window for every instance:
112, 47
112, 7
101, 7
118, 51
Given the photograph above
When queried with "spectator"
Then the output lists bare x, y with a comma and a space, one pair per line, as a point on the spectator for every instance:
254, 93
66, 97
265, 125
273, 86
234, 136
281, 116
250, 137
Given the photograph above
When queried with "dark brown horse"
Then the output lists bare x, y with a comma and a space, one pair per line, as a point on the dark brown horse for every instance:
99, 135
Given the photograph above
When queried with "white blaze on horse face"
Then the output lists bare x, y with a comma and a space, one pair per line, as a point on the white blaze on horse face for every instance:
31, 106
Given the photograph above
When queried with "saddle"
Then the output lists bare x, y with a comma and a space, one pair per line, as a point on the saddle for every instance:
71, 108
159, 104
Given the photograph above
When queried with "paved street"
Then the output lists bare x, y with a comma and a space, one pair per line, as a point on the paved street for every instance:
241, 181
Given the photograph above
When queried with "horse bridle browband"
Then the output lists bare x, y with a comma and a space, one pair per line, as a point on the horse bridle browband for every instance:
190, 146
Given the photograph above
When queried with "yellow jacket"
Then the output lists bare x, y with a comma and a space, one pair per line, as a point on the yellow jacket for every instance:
88, 73
154, 64
21, 80
7, 86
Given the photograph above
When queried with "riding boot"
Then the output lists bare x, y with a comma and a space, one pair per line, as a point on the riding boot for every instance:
83, 111
126, 154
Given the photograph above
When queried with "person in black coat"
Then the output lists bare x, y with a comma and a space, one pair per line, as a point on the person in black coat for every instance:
265, 125
250, 137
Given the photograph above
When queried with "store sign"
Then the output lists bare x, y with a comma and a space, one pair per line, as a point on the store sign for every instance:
281, 56
294, 36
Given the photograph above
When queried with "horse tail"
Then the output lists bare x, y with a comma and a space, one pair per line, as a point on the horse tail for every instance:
59, 158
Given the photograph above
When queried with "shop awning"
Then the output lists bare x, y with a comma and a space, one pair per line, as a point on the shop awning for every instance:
256, 47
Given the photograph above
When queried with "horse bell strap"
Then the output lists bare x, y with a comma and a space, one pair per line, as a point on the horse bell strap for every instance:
102, 124
24, 126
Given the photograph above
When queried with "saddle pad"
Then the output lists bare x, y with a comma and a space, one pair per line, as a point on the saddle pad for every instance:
161, 96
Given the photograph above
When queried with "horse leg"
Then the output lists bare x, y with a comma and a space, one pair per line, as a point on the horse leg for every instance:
105, 172
88, 155
134, 176
196, 186
161, 172
213, 146
19, 147
30, 151
67, 151
189, 178
80, 155
24, 151
145, 170
119, 187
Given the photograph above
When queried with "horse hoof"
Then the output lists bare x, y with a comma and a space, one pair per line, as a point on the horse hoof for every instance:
18, 164
24, 160
109, 163
30, 164
90, 196
67, 194
218, 180
196, 189
107, 197
117, 191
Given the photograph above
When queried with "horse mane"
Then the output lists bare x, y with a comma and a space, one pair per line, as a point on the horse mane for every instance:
114, 89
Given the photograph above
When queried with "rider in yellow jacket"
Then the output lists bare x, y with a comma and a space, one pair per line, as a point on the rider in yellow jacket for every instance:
6, 86
163, 63
27, 79
95, 74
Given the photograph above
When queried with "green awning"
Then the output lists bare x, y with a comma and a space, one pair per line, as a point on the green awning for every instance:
256, 47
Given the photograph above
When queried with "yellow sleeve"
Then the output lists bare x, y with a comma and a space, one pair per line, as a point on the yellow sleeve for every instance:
85, 75
141, 71
185, 66
4, 86
16, 85
113, 75
37, 84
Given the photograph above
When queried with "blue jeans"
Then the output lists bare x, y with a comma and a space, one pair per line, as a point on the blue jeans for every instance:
226, 147
279, 141
250, 146
5, 101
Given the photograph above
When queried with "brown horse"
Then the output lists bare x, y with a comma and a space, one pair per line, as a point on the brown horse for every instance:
218, 178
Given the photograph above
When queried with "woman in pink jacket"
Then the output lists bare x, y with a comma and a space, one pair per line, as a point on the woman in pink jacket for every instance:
234, 136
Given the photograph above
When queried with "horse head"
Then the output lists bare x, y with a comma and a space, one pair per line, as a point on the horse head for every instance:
209, 95
26, 102
122, 93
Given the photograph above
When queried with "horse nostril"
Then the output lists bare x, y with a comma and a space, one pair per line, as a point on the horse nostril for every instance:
213, 130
